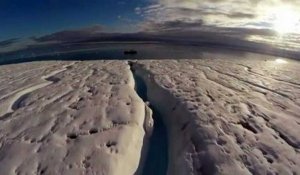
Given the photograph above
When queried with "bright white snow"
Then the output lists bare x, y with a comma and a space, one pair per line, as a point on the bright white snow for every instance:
70, 118
225, 114
228, 114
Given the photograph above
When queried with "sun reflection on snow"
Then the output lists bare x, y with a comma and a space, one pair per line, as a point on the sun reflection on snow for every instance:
281, 61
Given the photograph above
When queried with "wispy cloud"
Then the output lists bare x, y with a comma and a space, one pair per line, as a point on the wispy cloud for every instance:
249, 20
8, 42
218, 13
72, 35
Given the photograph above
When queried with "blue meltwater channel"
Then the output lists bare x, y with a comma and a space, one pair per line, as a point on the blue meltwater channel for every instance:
156, 162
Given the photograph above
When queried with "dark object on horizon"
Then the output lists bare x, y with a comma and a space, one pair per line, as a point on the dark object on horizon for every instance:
130, 52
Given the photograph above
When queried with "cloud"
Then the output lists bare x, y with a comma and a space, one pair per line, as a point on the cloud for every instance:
171, 25
218, 13
72, 35
138, 10
14, 44
243, 20
8, 42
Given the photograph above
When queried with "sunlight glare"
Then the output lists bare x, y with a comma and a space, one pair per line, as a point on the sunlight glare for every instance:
286, 20
280, 61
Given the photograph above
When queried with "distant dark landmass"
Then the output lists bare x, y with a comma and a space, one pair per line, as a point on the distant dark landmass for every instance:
83, 45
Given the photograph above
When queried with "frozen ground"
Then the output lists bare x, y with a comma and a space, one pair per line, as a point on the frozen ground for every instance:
228, 116
224, 114
70, 118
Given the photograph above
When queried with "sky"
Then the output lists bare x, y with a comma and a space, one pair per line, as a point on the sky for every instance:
23, 18
275, 22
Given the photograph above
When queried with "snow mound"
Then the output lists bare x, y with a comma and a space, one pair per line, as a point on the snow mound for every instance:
71, 118
227, 115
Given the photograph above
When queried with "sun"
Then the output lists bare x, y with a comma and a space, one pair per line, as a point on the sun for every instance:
286, 20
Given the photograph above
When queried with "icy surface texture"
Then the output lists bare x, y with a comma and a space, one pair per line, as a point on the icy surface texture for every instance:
228, 115
224, 114
70, 118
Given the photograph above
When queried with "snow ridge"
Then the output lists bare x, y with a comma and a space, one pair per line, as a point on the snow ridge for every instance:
213, 128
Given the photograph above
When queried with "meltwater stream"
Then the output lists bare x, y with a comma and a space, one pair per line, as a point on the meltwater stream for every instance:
156, 162
157, 158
